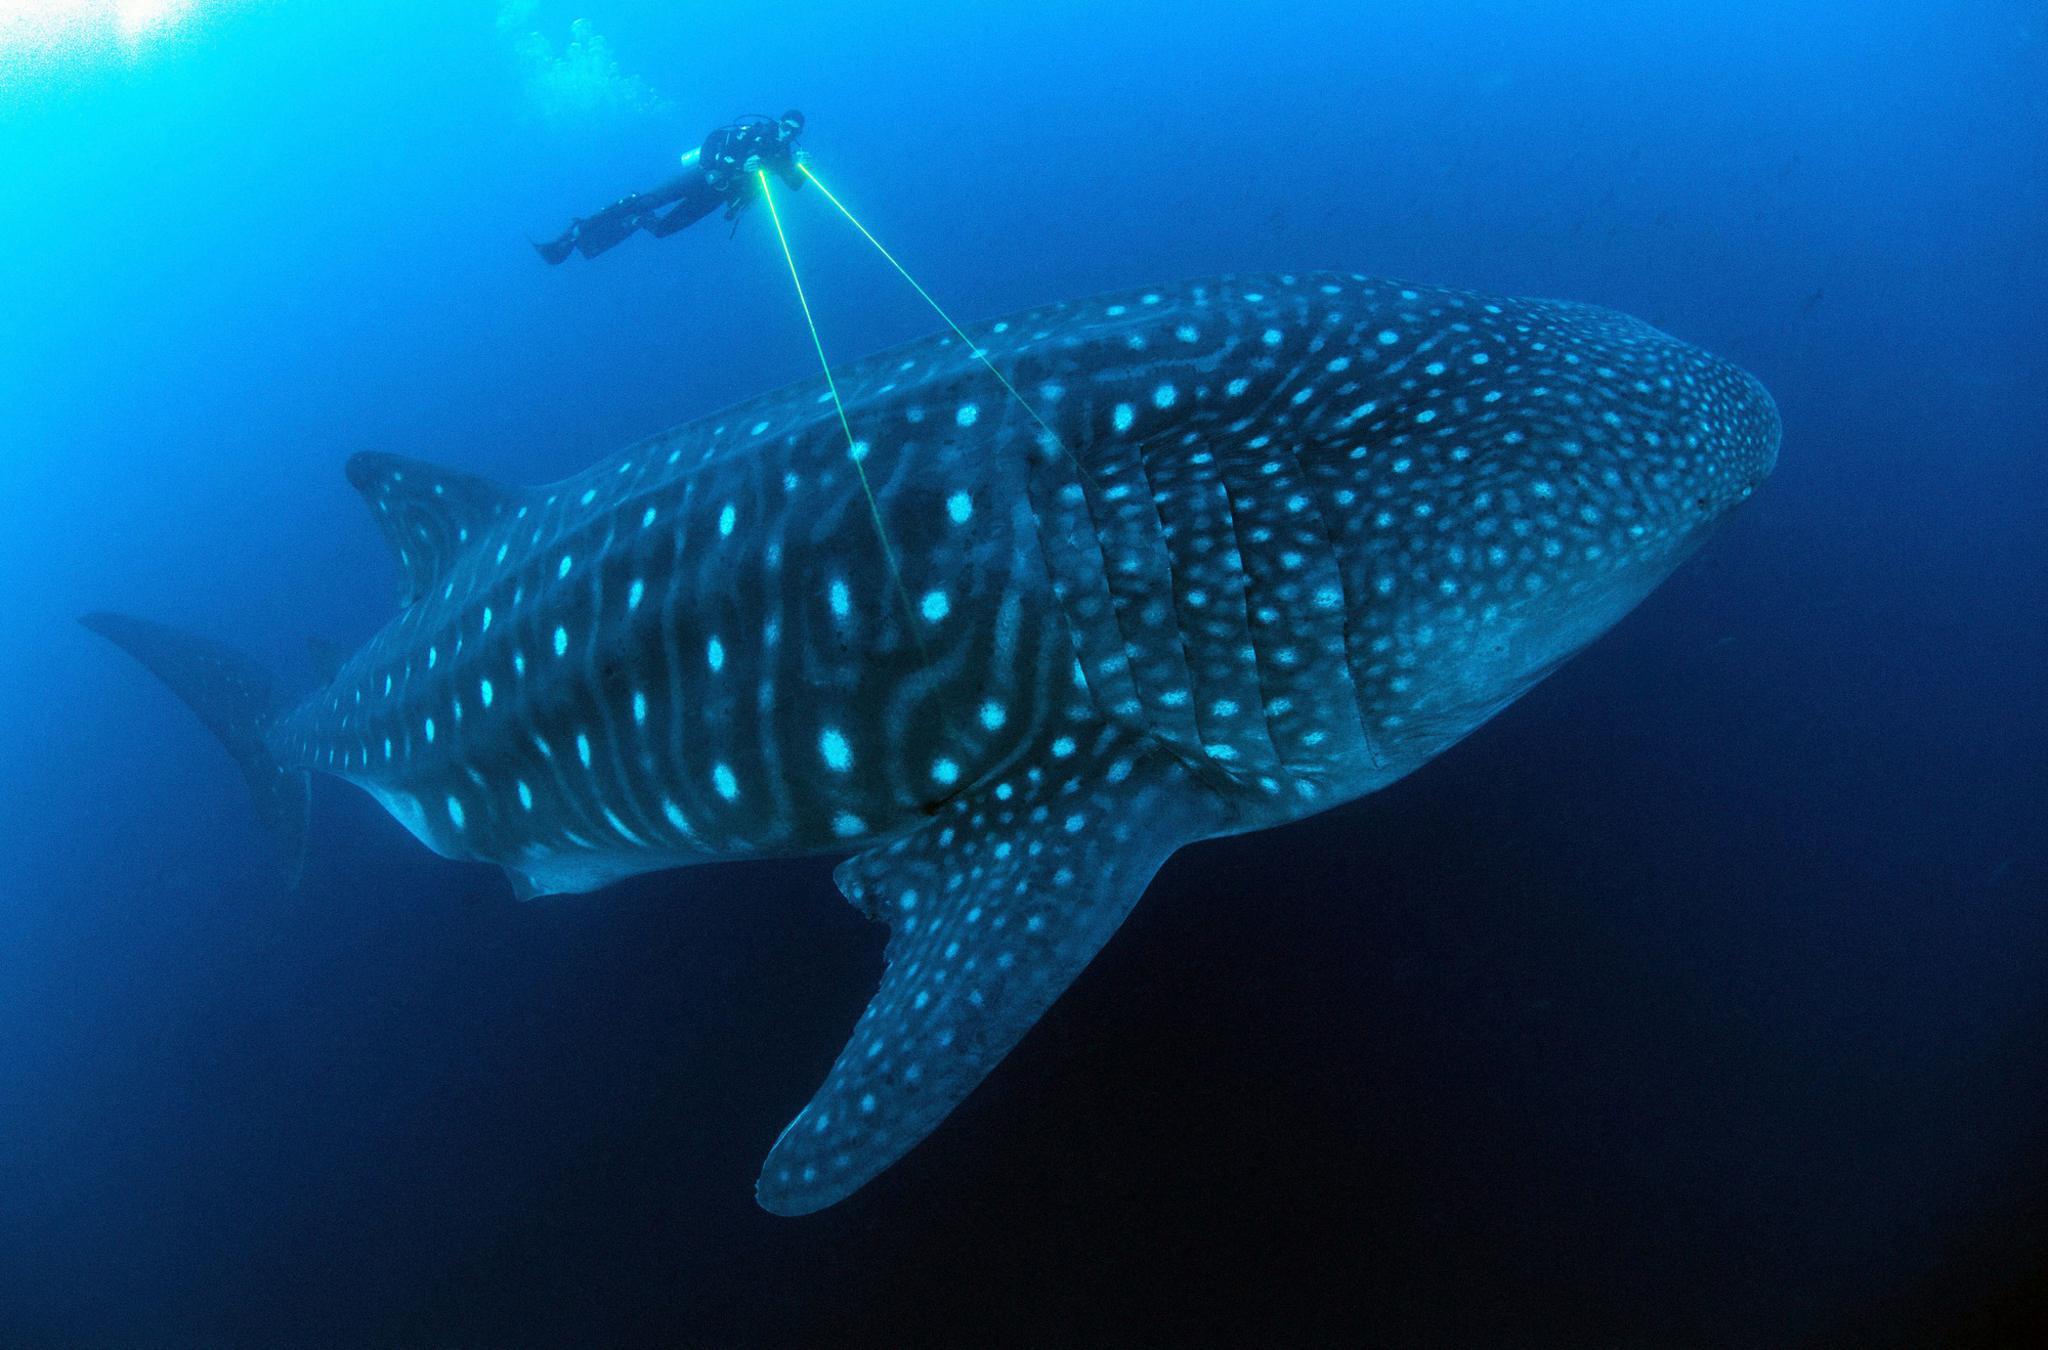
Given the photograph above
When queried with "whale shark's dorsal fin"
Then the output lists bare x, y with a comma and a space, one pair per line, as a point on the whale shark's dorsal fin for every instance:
994, 906
428, 514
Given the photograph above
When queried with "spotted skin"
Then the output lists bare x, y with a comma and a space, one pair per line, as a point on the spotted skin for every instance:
1260, 546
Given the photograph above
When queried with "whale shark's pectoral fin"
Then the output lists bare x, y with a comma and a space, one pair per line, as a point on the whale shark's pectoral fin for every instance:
994, 906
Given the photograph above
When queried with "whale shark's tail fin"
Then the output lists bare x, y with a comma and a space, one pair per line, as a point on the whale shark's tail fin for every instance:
236, 699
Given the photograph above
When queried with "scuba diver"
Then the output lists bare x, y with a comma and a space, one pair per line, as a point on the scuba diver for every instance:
720, 172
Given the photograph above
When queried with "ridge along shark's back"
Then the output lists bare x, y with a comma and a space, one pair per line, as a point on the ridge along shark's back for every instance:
1258, 546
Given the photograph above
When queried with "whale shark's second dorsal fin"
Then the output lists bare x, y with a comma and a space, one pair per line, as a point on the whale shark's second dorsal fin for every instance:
428, 514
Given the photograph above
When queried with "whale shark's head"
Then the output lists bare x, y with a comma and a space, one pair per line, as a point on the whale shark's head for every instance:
1523, 474
1719, 442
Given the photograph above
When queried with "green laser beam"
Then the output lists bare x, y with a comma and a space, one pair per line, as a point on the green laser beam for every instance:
852, 448
972, 345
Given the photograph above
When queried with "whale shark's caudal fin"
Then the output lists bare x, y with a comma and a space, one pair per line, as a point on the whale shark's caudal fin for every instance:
236, 699
994, 907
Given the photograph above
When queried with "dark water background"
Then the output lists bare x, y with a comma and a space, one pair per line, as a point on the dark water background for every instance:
1699, 1000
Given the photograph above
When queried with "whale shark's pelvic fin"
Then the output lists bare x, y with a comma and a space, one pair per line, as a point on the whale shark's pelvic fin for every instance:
236, 699
429, 514
994, 906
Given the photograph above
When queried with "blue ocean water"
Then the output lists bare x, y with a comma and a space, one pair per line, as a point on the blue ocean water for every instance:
1698, 1000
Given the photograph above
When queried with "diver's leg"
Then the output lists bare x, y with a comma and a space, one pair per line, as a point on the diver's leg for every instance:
695, 197
685, 214
612, 226
592, 235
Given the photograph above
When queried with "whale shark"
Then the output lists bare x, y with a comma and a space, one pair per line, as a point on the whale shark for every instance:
1203, 560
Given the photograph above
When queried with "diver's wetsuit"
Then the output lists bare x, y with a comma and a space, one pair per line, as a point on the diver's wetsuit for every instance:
716, 173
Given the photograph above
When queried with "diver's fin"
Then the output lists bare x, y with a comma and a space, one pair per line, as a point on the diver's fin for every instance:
428, 514
236, 700
994, 906
327, 658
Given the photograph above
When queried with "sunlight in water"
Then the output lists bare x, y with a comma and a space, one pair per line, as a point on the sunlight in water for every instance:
45, 28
